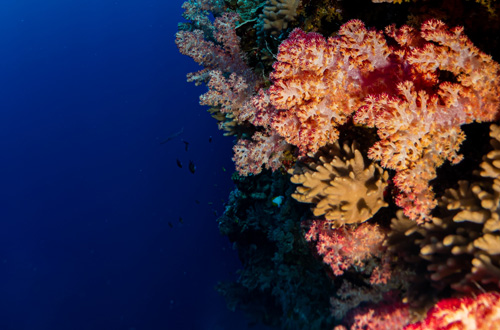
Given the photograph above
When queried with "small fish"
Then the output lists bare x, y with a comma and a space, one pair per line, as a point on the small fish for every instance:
210, 203
173, 136
170, 225
192, 167
210, 139
186, 145
215, 212
179, 163
197, 201
223, 169
181, 220
277, 201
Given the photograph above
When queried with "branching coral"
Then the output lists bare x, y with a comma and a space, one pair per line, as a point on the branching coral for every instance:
343, 186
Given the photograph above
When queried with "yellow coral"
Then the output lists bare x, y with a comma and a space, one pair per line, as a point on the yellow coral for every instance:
344, 188
278, 13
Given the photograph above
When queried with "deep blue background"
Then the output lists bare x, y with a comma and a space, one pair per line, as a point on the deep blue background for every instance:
88, 89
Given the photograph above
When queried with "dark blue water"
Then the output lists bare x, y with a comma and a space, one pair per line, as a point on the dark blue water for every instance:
90, 200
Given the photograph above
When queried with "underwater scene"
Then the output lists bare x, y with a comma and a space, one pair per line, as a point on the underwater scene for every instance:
249, 164
366, 143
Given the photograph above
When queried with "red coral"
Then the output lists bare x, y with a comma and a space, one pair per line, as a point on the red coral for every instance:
479, 313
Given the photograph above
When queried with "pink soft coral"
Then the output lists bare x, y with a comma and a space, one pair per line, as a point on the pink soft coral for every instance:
223, 53
347, 246
265, 149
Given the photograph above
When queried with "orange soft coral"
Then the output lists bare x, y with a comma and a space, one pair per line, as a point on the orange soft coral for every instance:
318, 82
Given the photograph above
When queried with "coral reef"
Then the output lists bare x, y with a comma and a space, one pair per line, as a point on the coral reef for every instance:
372, 234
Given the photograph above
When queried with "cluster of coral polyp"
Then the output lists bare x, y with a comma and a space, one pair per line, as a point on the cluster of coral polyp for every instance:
342, 187
365, 125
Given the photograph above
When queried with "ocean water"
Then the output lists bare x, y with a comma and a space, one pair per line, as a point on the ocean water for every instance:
91, 235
